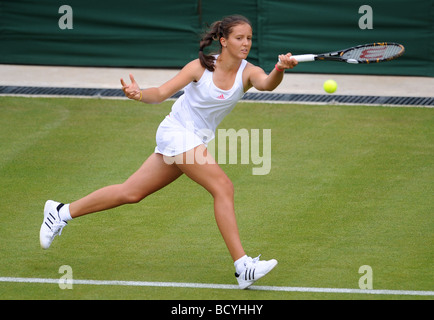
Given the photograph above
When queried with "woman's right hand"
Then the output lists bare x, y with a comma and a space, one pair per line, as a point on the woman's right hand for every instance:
132, 91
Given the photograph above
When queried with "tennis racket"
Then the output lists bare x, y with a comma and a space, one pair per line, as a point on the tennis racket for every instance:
366, 53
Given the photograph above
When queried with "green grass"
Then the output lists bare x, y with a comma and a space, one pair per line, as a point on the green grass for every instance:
349, 186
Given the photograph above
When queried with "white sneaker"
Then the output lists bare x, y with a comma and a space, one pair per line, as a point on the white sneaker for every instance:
254, 270
52, 224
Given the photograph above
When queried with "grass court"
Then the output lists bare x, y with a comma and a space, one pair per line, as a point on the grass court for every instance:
349, 186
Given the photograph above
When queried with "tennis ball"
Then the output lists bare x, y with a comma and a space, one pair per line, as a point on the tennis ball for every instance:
330, 86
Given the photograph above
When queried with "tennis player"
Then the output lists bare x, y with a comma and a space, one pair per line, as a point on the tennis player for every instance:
212, 84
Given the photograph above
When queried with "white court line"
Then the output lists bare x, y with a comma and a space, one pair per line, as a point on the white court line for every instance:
215, 286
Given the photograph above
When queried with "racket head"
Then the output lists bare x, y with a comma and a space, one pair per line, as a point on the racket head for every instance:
372, 52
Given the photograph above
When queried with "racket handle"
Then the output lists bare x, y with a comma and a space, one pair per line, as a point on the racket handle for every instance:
304, 57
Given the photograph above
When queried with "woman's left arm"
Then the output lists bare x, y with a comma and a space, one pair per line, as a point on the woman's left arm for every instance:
263, 82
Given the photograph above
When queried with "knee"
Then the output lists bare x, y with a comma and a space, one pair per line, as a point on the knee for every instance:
130, 196
224, 187
133, 198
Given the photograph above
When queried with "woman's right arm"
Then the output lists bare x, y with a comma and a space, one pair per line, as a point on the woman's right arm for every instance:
191, 72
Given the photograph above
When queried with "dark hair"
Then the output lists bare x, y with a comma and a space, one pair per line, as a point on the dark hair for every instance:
218, 29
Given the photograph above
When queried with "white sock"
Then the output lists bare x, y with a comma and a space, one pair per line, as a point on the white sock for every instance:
64, 213
239, 264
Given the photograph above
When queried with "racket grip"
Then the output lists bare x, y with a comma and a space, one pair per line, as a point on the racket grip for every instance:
304, 57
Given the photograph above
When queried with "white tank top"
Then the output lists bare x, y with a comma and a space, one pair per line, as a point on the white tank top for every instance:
203, 105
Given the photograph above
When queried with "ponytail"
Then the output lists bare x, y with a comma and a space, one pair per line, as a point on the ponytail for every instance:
217, 30
207, 60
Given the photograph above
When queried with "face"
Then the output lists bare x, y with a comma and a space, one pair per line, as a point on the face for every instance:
239, 41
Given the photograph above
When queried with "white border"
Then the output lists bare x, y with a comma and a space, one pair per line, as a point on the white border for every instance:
216, 286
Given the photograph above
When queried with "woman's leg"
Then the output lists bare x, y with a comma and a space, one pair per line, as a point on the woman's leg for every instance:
206, 172
153, 175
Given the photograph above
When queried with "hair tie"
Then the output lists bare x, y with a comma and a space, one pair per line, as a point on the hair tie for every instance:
200, 49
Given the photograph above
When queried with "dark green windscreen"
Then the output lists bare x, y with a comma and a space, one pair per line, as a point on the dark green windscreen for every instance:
166, 33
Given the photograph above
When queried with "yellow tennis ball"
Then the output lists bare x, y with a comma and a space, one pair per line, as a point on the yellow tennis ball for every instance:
330, 86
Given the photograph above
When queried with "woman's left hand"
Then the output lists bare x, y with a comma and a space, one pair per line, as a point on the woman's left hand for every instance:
286, 61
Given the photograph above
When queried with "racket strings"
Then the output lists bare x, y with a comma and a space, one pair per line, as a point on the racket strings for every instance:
373, 52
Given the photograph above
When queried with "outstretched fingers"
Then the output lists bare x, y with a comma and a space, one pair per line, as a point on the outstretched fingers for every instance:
132, 91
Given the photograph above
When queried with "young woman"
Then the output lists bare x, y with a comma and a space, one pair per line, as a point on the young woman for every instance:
212, 86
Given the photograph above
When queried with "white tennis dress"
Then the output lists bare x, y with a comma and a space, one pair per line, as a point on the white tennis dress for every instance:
197, 113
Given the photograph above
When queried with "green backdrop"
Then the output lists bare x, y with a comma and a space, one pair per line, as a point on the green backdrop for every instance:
166, 33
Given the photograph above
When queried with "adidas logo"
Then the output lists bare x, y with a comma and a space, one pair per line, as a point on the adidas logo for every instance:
221, 97
250, 275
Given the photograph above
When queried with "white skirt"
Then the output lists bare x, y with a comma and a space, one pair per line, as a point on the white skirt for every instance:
172, 138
